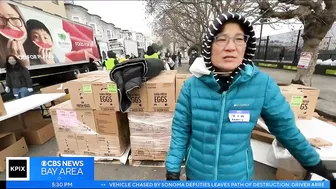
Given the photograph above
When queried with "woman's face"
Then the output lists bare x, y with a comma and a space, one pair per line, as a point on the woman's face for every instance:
39, 35
227, 51
10, 19
11, 60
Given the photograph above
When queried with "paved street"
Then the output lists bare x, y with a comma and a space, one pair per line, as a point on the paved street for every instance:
327, 85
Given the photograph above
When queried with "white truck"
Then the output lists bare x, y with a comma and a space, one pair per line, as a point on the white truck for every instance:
123, 47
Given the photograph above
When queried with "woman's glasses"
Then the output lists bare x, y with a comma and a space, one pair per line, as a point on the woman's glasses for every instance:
223, 39
16, 22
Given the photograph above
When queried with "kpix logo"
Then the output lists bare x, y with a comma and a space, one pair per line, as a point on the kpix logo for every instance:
17, 168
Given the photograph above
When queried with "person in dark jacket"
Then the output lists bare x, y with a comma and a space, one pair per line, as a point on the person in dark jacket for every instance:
192, 56
18, 78
219, 106
174, 57
92, 65
179, 56
282, 54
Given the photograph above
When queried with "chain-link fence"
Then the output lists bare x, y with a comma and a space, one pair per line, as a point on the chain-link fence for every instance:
287, 47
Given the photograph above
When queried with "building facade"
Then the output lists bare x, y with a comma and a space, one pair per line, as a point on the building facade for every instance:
53, 6
140, 38
107, 35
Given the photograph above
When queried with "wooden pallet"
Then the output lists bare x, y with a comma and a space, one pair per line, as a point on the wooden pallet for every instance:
104, 159
148, 163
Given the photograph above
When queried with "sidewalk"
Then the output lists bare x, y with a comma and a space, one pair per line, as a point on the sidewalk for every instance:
326, 105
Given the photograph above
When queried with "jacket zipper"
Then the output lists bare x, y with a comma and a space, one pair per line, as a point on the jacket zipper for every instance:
220, 128
247, 165
188, 154
219, 134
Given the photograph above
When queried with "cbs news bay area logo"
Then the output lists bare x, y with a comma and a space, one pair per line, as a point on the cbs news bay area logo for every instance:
19, 168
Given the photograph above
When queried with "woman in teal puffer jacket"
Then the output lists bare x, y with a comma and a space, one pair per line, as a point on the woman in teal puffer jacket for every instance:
219, 106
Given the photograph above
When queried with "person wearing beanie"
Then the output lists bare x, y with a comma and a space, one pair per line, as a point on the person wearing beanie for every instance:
151, 53
219, 106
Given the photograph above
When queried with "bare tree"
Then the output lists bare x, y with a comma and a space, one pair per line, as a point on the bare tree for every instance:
317, 17
187, 20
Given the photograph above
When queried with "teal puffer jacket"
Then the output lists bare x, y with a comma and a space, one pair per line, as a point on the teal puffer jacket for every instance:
217, 149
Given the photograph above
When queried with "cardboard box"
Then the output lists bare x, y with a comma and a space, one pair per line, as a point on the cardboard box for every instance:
161, 92
309, 101
75, 120
180, 79
97, 74
58, 88
81, 93
112, 145
2, 107
150, 148
161, 147
283, 174
139, 99
150, 123
262, 136
33, 117
13, 124
105, 95
39, 134
67, 143
10, 147
142, 148
115, 144
87, 144
109, 122
293, 96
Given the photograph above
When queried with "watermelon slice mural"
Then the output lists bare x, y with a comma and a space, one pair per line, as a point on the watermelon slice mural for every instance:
12, 33
42, 45
83, 43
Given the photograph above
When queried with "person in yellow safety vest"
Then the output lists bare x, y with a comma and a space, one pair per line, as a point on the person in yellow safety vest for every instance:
151, 53
111, 61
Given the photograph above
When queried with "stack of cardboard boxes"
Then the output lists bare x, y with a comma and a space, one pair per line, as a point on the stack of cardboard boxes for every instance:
90, 123
150, 134
150, 117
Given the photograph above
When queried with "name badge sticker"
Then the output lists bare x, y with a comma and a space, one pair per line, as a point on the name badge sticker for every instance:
239, 115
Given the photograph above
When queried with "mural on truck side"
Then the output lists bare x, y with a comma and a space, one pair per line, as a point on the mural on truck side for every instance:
38, 38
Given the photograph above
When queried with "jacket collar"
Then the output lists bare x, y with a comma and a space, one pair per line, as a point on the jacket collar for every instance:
199, 70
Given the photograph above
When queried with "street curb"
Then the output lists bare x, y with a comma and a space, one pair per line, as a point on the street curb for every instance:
326, 115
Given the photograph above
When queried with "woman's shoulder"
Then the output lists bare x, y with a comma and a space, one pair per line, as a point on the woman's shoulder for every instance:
261, 76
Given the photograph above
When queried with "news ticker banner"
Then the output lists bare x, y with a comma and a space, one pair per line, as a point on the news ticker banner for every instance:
78, 172
170, 184
49, 168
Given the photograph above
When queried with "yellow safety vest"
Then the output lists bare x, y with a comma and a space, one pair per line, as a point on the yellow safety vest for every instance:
155, 55
109, 63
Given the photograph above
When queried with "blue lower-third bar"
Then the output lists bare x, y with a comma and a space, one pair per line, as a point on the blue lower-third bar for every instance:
169, 184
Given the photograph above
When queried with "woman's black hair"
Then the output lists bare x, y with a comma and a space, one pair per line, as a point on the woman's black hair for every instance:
241, 25
10, 67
